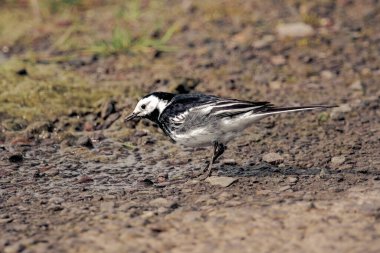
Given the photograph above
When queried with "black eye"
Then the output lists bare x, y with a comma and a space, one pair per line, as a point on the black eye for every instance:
143, 107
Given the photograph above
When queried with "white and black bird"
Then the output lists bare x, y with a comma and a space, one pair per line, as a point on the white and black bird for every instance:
199, 120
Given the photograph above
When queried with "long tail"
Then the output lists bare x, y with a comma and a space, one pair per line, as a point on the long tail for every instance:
275, 110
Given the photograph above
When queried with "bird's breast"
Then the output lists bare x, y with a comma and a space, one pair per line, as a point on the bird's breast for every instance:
195, 138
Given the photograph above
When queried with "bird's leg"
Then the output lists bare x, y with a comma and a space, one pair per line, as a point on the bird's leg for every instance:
218, 151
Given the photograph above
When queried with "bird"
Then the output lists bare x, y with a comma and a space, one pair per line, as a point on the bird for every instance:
201, 120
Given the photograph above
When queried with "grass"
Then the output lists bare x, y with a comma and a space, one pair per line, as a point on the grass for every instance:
62, 30
73, 28
122, 41
44, 91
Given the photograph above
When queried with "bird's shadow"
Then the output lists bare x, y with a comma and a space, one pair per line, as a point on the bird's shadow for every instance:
266, 169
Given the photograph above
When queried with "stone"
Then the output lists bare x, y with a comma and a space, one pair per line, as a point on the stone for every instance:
264, 42
5, 220
85, 179
273, 158
14, 248
338, 113
147, 214
356, 85
56, 200
337, 161
55, 208
162, 177
162, 202
284, 188
85, 141
294, 30
229, 161
243, 37
278, 60
221, 181
52, 172
327, 74
292, 180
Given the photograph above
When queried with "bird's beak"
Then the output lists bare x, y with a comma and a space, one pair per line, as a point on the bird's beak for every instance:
130, 117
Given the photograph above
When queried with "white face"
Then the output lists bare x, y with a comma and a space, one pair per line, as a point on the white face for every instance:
147, 105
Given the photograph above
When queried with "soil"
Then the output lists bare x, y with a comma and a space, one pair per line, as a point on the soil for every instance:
79, 179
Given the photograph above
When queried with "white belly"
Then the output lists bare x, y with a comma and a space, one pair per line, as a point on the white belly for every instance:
226, 130
196, 138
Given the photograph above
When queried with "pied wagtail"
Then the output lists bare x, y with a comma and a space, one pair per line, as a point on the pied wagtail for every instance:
199, 120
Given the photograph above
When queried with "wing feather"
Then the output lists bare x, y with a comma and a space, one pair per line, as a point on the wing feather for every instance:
191, 110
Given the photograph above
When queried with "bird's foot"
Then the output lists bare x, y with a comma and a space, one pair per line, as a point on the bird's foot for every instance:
197, 175
203, 176
206, 172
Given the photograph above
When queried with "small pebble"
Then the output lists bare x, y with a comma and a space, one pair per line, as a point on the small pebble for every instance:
356, 85
273, 158
265, 41
162, 202
337, 161
85, 179
229, 161
294, 30
55, 208
292, 180
278, 60
338, 113
85, 141
284, 188
327, 75
221, 181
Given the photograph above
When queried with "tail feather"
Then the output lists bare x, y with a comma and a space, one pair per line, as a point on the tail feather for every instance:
276, 110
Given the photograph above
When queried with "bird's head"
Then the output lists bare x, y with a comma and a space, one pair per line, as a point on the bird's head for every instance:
151, 106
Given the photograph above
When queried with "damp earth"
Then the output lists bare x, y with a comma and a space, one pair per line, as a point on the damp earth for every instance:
74, 177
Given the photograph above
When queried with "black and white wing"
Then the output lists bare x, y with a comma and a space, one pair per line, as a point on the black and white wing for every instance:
194, 110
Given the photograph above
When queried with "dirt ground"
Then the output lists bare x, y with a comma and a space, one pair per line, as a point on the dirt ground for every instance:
75, 178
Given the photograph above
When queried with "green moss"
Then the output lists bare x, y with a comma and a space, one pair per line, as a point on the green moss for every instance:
33, 92
311, 19
323, 117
